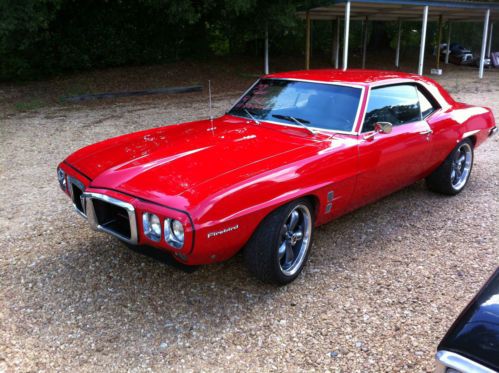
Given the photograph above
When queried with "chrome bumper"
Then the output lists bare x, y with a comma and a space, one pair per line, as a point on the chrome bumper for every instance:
113, 216
97, 225
447, 359
493, 131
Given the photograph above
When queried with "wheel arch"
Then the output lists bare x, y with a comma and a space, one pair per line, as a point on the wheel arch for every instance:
471, 135
310, 197
314, 201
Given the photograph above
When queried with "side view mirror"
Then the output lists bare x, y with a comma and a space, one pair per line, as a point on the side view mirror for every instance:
379, 127
383, 127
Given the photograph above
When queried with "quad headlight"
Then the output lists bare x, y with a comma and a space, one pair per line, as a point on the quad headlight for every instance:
173, 229
152, 226
174, 233
61, 176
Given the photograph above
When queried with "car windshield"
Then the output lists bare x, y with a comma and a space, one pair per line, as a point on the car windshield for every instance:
318, 105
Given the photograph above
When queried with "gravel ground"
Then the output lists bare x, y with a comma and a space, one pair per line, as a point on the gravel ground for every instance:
382, 286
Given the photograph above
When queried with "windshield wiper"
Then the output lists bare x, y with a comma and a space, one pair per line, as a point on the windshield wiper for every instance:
299, 121
251, 116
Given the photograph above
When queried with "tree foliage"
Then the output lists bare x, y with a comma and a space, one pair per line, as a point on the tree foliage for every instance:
44, 37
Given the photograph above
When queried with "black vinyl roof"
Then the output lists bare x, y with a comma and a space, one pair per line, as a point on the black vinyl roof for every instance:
406, 10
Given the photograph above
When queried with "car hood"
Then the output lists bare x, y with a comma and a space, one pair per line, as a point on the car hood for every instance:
172, 159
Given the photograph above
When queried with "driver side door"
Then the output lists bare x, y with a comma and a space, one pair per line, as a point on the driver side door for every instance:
391, 161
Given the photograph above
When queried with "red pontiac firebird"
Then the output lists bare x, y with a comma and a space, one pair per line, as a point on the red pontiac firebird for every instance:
297, 150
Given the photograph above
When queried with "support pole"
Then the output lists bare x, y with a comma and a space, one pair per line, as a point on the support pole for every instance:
346, 36
439, 39
266, 49
364, 42
448, 43
337, 51
484, 42
333, 41
489, 48
399, 39
307, 43
423, 40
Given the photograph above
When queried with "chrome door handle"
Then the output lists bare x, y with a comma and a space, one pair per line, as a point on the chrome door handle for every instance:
427, 132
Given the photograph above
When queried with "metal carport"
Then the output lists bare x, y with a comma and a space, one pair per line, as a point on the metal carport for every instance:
401, 10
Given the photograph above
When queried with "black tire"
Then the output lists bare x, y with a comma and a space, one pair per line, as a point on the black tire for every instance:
442, 179
262, 253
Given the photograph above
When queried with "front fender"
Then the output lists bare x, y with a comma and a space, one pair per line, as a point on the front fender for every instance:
225, 221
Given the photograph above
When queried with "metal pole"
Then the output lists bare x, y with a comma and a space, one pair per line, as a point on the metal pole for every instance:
307, 43
364, 46
423, 40
490, 39
399, 39
346, 36
439, 39
337, 51
484, 42
448, 44
266, 48
333, 41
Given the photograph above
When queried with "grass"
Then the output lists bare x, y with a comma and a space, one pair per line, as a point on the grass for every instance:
30, 105
74, 90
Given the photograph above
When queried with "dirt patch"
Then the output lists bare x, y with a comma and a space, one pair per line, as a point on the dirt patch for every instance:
382, 286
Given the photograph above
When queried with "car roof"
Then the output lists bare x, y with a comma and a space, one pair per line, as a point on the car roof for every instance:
350, 76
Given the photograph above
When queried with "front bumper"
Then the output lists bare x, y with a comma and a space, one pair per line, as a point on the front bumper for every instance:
120, 214
493, 131
121, 222
446, 359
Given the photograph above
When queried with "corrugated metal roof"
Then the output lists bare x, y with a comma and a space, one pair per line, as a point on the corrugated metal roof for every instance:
408, 10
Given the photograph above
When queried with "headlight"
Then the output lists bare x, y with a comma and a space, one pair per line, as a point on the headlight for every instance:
61, 176
152, 226
174, 233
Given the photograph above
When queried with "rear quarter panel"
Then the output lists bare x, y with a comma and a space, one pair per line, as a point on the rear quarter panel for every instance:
452, 125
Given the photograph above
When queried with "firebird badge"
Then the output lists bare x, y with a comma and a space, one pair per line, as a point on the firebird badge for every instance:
226, 230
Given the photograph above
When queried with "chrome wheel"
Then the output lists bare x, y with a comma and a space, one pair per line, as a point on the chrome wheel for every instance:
294, 240
461, 166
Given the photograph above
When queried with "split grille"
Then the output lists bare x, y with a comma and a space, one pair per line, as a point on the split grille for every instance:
112, 217
76, 189
104, 213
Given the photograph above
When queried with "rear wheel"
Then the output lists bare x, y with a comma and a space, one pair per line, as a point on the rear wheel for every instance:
279, 248
452, 176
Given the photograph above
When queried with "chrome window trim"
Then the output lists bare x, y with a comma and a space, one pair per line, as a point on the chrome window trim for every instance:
446, 359
71, 181
381, 86
421, 88
319, 129
92, 218
244, 94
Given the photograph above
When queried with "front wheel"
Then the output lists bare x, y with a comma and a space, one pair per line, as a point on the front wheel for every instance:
452, 176
279, 248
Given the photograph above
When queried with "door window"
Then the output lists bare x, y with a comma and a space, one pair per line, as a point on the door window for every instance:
397, 104
427, 106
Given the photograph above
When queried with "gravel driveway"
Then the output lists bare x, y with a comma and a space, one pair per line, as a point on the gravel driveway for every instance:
382, 286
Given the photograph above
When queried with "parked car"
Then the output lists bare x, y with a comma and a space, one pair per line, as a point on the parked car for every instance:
472, 343
297, 150
460, 55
